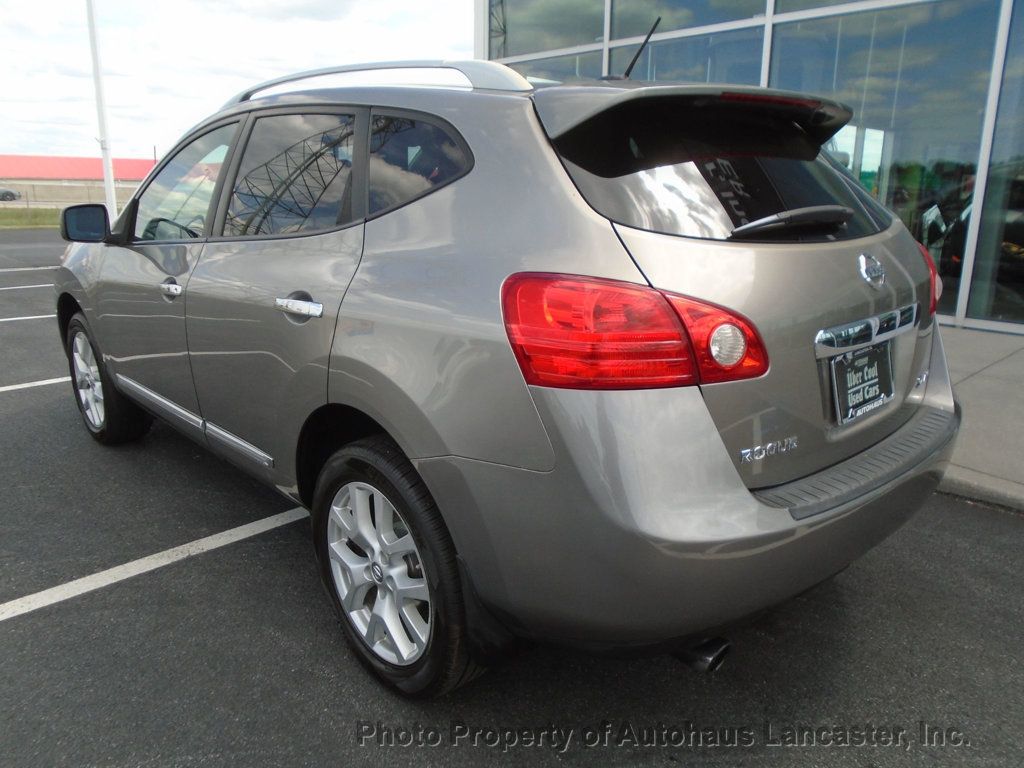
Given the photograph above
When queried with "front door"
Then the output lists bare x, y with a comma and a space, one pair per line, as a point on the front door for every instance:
264, 298
141, 303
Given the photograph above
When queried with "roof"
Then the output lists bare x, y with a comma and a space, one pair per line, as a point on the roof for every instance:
44, 167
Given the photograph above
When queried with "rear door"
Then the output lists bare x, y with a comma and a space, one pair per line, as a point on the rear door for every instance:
727, 199
264, 299
141, 304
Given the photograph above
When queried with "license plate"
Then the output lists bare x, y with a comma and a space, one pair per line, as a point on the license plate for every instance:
861, 381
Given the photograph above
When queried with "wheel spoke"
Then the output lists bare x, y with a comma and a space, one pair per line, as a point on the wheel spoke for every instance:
80, 367
384, 518
408, 588
402, 546
365, 535
342, 517
347, 559
392, 626
417, 629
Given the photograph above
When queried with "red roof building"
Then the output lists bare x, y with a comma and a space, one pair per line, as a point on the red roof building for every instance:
43, 168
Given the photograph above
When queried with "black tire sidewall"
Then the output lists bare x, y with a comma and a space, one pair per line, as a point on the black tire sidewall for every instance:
426, 676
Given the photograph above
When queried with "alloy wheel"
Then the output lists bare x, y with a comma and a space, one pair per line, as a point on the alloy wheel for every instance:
88, 384
378, 574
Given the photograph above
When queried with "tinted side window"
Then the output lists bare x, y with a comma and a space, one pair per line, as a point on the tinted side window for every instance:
175, 204
295, 176
409, 158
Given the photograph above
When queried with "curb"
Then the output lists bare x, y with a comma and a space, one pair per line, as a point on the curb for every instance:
961, 481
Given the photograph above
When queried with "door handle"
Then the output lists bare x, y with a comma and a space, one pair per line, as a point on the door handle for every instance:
171, 289
299, 307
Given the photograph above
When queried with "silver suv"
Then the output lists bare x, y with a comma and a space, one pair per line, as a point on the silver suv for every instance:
607, 365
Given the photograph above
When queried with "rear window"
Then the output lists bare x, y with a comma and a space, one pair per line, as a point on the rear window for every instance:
701, 168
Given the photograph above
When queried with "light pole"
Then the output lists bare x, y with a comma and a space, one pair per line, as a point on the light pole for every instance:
101, 113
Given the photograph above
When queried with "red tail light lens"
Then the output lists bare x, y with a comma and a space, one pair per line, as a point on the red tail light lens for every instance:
584, 333
587, 333
702, 322
934, 283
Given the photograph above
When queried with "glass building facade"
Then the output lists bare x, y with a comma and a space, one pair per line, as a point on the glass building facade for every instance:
936, 86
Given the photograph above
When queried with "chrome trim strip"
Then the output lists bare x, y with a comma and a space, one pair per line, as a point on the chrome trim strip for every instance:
159, 403
166, 407
850, 337
238, 445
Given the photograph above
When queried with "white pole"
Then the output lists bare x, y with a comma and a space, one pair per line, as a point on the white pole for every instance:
101, 113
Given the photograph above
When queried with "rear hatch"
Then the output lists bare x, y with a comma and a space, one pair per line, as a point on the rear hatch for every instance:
723, 195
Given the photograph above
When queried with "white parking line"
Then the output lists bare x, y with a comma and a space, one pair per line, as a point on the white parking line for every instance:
24, 269
27, 317
23, 287
42, 383
118, 573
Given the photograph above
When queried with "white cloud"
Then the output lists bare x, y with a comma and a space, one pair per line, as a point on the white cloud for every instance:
169, 64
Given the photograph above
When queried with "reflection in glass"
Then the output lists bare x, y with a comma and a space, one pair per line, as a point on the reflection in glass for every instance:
683, 166
785, 6
632, 18
526, 26
997, 286
409, 158
174, 205
564, 69
295, 176
726, 57
916, 78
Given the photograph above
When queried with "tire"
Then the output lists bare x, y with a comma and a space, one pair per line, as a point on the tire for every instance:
7, 197
358, 489
111, 418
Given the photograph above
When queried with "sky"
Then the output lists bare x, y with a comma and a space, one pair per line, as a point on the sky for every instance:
167, 64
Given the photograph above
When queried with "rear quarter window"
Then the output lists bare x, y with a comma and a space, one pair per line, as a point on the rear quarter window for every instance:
411, 157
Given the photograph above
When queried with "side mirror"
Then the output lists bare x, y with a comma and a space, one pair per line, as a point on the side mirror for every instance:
85, 223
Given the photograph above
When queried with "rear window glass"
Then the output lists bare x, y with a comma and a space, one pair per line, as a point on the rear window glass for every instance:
704, 169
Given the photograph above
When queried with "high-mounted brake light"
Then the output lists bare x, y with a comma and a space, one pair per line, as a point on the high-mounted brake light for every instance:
934, 283
589, 333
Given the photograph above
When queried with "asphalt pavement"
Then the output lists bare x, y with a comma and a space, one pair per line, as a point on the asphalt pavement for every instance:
232, 657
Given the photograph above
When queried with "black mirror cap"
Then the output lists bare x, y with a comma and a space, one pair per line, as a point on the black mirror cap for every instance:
87, 223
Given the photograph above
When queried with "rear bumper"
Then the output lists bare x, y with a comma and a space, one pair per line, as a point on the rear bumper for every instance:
644, 533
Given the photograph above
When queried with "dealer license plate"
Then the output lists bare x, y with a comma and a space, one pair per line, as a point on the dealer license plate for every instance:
861, 381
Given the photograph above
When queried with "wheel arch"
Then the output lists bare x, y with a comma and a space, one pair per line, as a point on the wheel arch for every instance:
67, 307
329, 428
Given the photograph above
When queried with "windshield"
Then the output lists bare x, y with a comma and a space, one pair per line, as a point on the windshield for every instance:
701, 168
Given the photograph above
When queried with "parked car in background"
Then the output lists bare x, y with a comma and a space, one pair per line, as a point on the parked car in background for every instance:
7, 194
606, 365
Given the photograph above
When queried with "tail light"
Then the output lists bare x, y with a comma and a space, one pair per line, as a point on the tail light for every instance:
934, 283
588, 333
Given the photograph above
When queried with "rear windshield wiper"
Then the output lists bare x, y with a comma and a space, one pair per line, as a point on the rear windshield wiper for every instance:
815, 215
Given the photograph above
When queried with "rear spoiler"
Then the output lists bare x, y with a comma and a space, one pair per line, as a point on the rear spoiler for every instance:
562, 108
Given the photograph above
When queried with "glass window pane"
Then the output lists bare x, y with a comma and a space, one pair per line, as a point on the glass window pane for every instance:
726, 57
527, 26
409, 158
631, 18
585, 66
295, 176
704, 168
916, 78
997, 289
784, 6
174, 206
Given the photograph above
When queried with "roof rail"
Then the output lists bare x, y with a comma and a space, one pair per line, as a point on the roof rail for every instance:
481, 74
